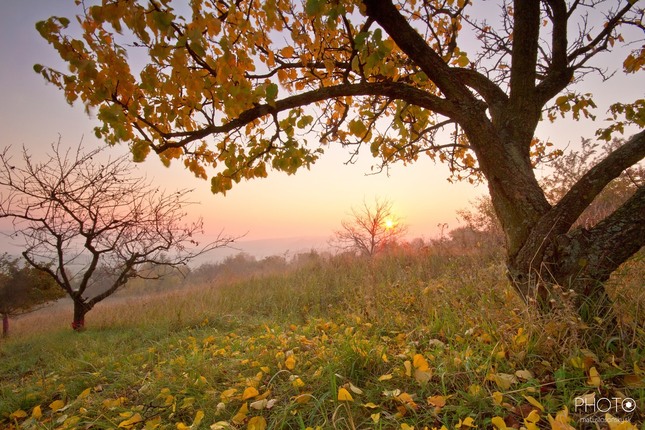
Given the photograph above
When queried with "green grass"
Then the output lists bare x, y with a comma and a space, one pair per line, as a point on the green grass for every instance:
416, 340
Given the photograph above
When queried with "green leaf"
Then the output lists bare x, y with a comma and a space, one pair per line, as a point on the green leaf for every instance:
140, 150
314, 7
162, 20
197, 48
560, 101
272, 91
63, 21
357, 128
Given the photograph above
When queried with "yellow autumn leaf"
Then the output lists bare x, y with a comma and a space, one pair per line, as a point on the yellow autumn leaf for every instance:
499, 423
227, 395
257, 423
405, 426
437, 401
240, 416
86, 392
376, 417
220, 425
290, 362
497, 398
474, 389
594, 377
264, 395
56, 405
531, 419
37, 412
297, 383
130, 422
420, 363
187, 402
385, 377
19, 414
408, 367
561, 420
466, 422
344, 395
407, 400
249, 393
520, 338
302, 398
504, 380
110, 404
199, 416
534, 402
153, 423
371, 405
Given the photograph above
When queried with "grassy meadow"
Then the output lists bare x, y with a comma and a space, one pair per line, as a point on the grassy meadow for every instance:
413, 339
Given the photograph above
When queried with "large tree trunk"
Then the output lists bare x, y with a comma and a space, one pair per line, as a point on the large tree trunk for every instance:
581, 260
80, 309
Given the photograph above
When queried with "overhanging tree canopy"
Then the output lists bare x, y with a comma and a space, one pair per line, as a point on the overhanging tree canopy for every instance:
235, 88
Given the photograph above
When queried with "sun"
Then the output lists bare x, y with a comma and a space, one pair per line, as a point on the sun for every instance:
389, 223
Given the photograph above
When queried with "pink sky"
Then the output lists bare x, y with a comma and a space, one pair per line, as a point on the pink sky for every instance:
311, 203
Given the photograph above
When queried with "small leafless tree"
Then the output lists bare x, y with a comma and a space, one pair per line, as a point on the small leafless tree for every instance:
82, 215
370, 229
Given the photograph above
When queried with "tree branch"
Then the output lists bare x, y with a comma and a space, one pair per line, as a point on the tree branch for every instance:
580, 196
526, 33
394, 90
559, 75
411, 42
557, 221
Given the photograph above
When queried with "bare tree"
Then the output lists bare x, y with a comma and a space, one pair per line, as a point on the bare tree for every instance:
81, 218
370, 229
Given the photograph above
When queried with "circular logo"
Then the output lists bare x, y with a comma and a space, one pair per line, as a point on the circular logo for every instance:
628, 405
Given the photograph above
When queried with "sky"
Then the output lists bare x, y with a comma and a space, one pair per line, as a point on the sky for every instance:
309, 204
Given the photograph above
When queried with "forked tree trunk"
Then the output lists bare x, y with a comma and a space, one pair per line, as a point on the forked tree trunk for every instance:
544, 254
579, 260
